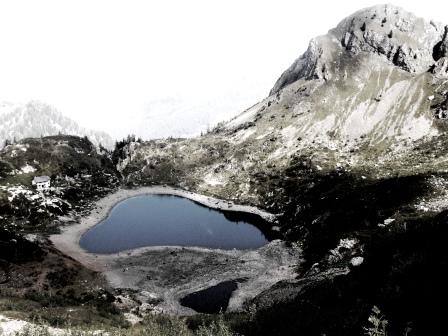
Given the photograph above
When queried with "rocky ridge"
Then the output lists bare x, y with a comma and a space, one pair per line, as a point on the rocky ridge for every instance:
36, 119
386, 31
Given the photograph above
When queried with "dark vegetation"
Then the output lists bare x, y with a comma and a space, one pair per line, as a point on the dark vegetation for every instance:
120, 151
15, 249
78, 175
45, 285
403, 271
404, 263
35, 278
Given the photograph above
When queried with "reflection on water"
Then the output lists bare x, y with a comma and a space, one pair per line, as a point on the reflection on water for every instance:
160, 220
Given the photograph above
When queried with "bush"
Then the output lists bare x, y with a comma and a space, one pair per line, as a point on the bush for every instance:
34, 330
378, 324
216, 328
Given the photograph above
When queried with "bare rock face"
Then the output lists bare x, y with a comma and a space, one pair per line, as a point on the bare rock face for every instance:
440, 68
440, 55
441, 48
385, 31
392, 33
313, 64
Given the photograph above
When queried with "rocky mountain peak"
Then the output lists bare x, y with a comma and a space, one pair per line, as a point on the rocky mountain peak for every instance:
387, 32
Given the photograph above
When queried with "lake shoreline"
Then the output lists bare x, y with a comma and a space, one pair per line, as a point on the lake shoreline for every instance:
68, 240
169, 273
167, 220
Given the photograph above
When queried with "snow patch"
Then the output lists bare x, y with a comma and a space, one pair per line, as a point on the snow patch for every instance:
356, 261
27, 169
213, 179
246, 116
243, 135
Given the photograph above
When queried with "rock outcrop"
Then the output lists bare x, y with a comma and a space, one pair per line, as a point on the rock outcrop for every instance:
440, 55
394, 35
441, 48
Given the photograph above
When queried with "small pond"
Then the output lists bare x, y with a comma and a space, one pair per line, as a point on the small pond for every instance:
164, 220
212, 300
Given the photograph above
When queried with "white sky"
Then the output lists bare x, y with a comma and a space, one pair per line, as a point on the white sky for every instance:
160, 68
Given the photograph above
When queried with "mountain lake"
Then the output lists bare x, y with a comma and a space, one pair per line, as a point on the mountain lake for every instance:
165, 220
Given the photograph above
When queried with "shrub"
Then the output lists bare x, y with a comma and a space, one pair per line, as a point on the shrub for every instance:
216, 328
378, 324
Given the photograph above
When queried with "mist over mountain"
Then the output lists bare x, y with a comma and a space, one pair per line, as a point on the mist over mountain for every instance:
186, 117
36, 119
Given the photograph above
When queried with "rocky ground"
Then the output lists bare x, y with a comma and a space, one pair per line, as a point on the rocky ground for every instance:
169, 273
163, 276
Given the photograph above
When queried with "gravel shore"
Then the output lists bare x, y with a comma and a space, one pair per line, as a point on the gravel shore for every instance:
170, 272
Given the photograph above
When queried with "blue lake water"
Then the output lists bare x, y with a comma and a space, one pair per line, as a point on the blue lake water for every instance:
161, 220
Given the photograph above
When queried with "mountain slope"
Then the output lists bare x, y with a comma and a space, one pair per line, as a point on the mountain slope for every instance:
36, 279
363, 94
366, 80
350, 151
36, 119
